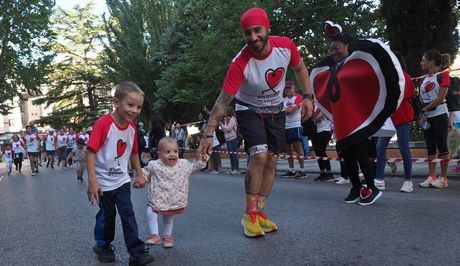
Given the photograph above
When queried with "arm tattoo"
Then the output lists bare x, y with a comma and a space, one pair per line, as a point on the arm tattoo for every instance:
218, 110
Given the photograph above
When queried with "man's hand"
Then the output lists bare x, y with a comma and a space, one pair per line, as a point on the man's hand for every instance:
308, 108
205, 145
93, 192
139, 182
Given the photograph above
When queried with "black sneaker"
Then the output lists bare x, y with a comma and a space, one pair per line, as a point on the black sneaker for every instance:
143, 258
320, 177
325, 177
353, 196
289, 174
105, 254
369, 196
301, 175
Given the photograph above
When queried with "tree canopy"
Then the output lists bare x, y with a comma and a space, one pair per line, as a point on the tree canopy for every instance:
78, 90
25, 39
412, 27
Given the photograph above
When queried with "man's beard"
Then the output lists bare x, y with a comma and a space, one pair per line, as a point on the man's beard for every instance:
254, 49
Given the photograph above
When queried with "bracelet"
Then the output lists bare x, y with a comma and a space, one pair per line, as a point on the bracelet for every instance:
207, 136
307, 96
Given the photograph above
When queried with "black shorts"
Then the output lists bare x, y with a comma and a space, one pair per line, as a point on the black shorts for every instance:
33, 154
263, 129
50, 153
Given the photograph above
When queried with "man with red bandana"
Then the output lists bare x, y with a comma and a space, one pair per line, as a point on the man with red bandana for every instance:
256, 78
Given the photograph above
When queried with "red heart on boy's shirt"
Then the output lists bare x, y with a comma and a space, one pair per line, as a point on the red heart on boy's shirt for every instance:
121, 147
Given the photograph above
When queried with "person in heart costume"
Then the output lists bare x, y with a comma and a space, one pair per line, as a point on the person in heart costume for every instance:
357, 87
256, 78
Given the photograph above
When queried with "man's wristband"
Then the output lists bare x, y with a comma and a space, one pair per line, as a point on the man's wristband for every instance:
307, 96
207, 136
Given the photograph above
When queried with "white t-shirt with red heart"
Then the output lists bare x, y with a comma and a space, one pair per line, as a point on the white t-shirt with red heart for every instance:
50, 142
293, 119
113, 146
32, 142
429, 91
62, 140
259, 81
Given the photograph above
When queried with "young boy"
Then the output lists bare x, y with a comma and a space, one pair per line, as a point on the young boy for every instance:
50, 147
110, 146
8, 158
32, 141
78, 155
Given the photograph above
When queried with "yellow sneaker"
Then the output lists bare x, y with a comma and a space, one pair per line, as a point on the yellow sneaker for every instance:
251, 225
267, 225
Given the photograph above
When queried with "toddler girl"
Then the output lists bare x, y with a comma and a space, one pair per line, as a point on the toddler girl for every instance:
168, 190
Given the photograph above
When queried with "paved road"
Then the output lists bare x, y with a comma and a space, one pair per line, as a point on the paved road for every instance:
46, 220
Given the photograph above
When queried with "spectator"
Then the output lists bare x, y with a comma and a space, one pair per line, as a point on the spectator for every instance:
292, 106
181, 136
320, 141
157, 132
230, 128
402, 120
434, 119
216, 161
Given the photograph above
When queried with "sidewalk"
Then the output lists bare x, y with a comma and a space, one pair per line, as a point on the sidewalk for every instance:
419, 170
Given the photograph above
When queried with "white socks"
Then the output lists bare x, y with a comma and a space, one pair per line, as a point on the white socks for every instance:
152, 220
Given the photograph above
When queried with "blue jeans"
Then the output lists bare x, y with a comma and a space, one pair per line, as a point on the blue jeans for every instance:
305, 146
104, 230
403, 133
232, 146
181, 144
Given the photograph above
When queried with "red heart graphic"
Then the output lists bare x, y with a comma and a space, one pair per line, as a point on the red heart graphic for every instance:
355, 79
273, 77
331, 30
365, 192
32, 139
121, 147
430, 86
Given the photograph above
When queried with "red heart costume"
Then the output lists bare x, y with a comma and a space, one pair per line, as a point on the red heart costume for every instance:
361, 92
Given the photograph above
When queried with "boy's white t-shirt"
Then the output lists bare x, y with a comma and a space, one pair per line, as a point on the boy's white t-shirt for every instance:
62, 140
17, 146
50, 142
32, 142
8, 155
113, 146
72, 140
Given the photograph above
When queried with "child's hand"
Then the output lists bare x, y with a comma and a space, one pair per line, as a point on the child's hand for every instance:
93, 192
204, 157
139, 182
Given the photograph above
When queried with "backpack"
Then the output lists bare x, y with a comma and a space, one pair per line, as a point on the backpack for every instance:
453, 93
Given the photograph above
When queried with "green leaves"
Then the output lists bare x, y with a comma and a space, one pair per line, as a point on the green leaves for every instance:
78, 91
25, 39
416, 26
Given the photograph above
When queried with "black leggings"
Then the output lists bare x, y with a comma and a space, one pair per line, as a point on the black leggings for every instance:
343, 168
436, 135
355, 155
320, 142
18, 160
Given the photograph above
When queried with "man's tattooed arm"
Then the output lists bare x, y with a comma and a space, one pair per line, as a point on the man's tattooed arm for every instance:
218, 111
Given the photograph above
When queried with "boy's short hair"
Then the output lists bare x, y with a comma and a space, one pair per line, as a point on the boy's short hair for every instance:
125, 87
165, 140
8, 144
81, 142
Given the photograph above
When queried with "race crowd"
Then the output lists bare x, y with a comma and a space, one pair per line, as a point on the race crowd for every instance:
259, 107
